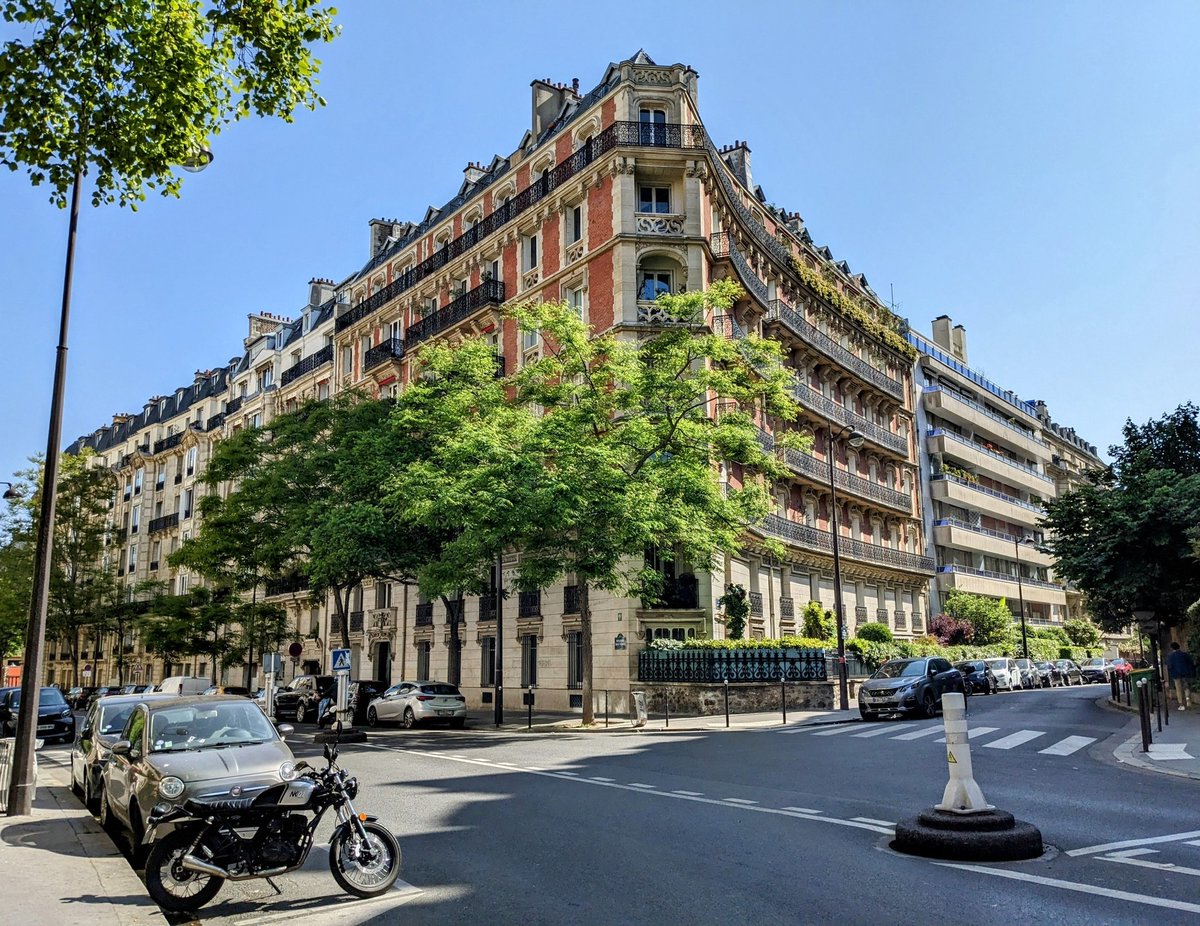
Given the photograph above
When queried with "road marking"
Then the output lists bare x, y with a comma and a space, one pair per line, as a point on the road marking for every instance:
689, 793
884, 728
876, 822
638, 784
1130, 853
737, 800
1066, 747
1127, 843
835, 730
1168, 751
972, 733
598, 778
801, 809
565, 773
1080, 888
1157, 866
1194, 842
337, 909
917, 734
534, 768
1014, 739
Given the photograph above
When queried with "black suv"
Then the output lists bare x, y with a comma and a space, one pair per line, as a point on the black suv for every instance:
978, 676
909, 686
301, 698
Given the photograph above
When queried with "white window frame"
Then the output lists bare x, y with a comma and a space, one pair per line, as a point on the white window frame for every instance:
659, 205
657, 275
530, 254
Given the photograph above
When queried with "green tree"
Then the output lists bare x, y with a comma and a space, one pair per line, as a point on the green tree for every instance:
1082, 632
16, 564
1125, 536
990, 619
735, 609
817, 622
137, 87
202, 622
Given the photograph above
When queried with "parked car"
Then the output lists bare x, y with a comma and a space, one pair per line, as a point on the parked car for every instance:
1029, 673
182, 685
173, 749
1048, 674
300, 699
909, 686
102, 727
102, 692
1122, 666
238, 690
135, 689
1006, 672
1070, 671
977, 676
411, 703
79, 696
1096, 670
362, 692
56, 719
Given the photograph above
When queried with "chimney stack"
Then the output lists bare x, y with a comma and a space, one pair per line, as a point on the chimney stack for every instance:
958, 343
941, 333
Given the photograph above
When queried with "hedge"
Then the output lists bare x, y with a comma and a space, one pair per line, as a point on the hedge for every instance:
875, 654
750, 643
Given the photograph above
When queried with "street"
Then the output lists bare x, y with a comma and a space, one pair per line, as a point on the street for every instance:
776, 824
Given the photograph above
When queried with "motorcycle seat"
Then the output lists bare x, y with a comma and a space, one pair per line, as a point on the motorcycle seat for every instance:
218, 805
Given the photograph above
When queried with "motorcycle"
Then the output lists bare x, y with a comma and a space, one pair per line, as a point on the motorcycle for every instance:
201, 847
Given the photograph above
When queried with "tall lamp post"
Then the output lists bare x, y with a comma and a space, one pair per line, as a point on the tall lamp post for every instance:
1018, 542
20, 792
854, 439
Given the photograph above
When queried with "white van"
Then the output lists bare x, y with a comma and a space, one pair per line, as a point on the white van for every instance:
183, 685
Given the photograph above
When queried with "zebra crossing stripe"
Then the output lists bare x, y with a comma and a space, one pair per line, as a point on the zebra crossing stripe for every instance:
972, 733
835, 730
917, 734
1014, 739
883, 728
1067, 746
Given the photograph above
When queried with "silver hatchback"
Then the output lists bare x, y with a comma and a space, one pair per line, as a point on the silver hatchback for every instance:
411, 703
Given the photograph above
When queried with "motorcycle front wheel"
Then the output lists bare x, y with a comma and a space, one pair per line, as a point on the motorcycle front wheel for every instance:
173, 887
364, 877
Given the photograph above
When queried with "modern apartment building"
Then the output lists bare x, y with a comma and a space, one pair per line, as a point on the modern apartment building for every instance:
611, 197
989, 459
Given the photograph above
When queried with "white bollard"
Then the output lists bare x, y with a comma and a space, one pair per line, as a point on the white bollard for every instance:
962, 794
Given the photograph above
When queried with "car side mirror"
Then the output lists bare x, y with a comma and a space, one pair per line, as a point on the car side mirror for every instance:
121, 748
285, 730
932, 671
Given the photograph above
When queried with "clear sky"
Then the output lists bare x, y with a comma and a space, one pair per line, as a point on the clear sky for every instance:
1031, 169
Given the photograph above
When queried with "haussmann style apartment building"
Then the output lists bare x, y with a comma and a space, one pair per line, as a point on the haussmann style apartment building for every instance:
613, 196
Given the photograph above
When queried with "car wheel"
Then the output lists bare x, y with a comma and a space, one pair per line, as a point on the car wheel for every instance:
410, 719
372, 717
867, 715
929, 703
90, 800
301, 713
79, 789
107, 820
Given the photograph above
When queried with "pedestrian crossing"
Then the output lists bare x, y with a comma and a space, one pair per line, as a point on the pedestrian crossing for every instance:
1038, 740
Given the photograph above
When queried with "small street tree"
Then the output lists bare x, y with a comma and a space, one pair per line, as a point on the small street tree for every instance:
990, 619
16, 565
1082, 632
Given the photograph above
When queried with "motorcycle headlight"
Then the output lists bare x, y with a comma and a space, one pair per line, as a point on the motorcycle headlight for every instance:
171, 788
287, 771
351, 788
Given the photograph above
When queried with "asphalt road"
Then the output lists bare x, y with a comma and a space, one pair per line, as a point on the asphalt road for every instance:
785, 824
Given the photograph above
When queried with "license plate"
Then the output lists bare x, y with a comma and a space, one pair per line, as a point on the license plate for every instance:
445, 713
45, 727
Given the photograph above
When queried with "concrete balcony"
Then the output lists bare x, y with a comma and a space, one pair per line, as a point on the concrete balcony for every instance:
977, 498
957, 535
979, 419
996, 585
987, 461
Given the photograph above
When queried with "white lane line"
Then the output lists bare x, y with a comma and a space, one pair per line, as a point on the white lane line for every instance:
1194, 842
883, 728
599, 778
1127, 843
565, 773
1130, 853
1066, 747
1080, 888
917, 734
1157, 866
839, 728
972, 733
801, 810
737, 800
638, 784
872, 820
534, 768
689, 793
1014, 739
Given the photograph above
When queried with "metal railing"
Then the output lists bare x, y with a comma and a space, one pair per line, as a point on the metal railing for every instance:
233, 405
570, 599
171, 440
166, 522
1011, 499
312, 362
958, 438
214, 422
424, 613
749, 665
987, 412
925, 346
723, 246
529, 604
818, 471
1002, 576
839, 414
489, 292
286, 585
976, 529
389, 348
804, 535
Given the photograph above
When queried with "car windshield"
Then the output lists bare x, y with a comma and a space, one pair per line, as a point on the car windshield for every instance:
113, 718
998, 663
208, 726
1043, 665
969, 666
1094, 662
1024, 663
901, 668
49, 697
439, 689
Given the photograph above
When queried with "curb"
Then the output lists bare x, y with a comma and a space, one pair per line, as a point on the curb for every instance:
1129, 753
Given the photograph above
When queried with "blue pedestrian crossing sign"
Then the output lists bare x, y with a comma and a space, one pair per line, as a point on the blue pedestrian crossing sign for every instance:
341, 661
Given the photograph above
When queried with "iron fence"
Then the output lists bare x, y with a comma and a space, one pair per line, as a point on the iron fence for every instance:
749, 665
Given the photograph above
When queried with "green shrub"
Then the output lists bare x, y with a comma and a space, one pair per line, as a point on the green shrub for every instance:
875, 632
735, 606
817, 622
749, 643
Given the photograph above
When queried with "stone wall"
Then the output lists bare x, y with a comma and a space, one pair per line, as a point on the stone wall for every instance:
744, 697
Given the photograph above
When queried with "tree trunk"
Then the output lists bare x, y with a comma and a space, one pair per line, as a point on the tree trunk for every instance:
454, 611
585, 644
342, 613
75, 657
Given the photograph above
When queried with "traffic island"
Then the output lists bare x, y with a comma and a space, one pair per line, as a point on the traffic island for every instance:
346, 735
964, 826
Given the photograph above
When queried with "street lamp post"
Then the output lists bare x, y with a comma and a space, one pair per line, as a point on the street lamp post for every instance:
854, 439
1017, 542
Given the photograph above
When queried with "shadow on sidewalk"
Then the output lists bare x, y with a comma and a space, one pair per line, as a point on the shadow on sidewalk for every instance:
49, 835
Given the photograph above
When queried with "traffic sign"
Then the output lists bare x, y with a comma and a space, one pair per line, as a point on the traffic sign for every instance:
341, 661
272, 662
295, 650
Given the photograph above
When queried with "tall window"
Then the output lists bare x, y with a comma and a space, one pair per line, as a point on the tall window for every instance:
529, 647
530, 252
487, 670
529, 340
347, 361
191, 460
575, 301
383, 594
137, 519
137, 480
132, 557
423, 660
396, 330
574, 659
574, 224
653, 283
323, 390
654, 199
653, 126
266, 376
188, 495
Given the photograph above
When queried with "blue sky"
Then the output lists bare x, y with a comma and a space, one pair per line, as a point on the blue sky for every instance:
1028, 168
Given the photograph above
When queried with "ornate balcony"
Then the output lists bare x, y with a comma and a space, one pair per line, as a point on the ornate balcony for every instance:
659, 223
818, 471
529, 604
215, 421
171, 440
307, 365
487, 293
233, 405
166, 522
723, 246
826, 408
810, 538
286, 585
424, 613
487, 607
388, 349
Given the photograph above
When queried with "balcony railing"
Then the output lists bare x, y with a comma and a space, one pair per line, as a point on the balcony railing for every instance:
958, 438
389, 348
307, 365
233, 405
811, 334
680, 593
215, 422
815, 401
987, 412
806, 536
489, 292
487, 607
164, 523
424, 613
570, 599
171, 440
748, 665
286, 585
955, 522
929, 348
818, 471
1011, 499
356, 621
529, 604
723, 246
1002, 576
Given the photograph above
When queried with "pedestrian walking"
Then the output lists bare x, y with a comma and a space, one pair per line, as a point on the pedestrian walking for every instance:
1181, 669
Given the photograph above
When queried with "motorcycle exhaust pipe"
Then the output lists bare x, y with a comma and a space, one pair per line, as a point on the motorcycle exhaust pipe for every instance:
192, 863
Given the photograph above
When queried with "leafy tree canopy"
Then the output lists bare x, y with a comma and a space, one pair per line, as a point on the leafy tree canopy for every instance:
990, 619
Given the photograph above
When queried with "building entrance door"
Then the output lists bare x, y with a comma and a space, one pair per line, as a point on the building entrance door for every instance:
383, 663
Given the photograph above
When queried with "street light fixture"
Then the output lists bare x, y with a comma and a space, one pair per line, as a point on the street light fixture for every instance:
1018, 542
20, 793
855, 440
11, 492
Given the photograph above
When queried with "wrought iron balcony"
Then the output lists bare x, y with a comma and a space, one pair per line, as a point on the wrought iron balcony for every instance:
215, 422
233, 405
824, 406
723, 246
487, 607
778, 310
424, 613
529, 604
756, 665
166, 522
389, 348
171, 440
808, 537
307, 365
1011, 499
818, 471
680, 593
1001, 576
286, 585
489, 292
981, 448
570, 599
356, 621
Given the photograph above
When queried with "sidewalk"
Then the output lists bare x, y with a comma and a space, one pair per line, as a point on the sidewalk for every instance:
1174, 751
58, 866
516, 721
